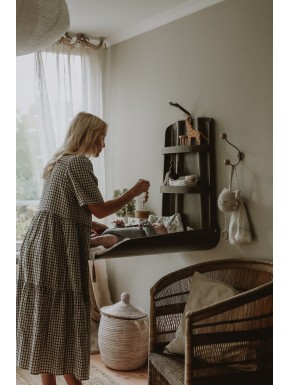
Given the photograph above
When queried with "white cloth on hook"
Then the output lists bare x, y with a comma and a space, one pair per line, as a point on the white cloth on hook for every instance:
229, 201
239, 227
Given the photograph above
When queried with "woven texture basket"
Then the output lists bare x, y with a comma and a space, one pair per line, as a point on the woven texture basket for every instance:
123, 335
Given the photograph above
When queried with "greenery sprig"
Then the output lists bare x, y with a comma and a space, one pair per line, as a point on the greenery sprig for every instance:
129, 208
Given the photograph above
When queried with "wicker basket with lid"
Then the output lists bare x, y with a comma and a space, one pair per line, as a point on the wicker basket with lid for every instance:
123, 335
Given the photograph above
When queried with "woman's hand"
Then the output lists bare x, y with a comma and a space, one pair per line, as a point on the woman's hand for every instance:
111, 206
141, 186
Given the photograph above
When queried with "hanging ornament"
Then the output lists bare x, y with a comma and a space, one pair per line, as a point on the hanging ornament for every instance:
239, 227
227, 200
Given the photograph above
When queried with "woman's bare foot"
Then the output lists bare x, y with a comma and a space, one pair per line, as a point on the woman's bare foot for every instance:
71, 380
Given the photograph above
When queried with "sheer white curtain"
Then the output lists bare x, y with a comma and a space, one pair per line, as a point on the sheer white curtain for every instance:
67, 81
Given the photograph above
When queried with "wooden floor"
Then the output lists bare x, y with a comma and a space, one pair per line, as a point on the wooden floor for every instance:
135, 377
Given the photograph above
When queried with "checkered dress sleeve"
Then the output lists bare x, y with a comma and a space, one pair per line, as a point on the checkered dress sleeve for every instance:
83, 181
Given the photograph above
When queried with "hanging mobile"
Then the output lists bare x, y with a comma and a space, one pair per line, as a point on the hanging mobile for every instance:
145, 197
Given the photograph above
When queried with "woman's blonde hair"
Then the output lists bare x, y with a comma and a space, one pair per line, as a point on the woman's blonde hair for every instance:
80, 138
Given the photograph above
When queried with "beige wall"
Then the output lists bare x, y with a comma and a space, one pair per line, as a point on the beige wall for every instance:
215, 63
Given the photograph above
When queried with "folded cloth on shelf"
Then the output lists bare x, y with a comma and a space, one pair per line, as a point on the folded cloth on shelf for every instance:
172, 223
145, 229
182, 182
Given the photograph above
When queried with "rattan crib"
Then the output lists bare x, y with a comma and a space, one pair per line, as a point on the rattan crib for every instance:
241, 324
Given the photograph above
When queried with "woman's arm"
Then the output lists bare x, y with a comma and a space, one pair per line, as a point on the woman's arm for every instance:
109, 207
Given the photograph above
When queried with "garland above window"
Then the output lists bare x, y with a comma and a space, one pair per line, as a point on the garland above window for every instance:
80, 39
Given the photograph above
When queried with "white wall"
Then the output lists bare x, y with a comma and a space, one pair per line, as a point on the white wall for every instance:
215, 63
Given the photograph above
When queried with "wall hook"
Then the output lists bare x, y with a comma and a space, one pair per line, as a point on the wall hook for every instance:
240, 155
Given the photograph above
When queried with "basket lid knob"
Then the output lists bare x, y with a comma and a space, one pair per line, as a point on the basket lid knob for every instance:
123, 309
125, 297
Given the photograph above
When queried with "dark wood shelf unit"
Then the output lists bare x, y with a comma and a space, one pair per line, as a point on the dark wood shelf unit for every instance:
190, 201
186, 241
196, 204
184, 149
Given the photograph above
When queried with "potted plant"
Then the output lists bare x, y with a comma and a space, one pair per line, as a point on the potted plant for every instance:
127, 210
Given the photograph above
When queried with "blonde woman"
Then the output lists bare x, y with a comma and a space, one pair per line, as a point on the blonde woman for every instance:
53, 304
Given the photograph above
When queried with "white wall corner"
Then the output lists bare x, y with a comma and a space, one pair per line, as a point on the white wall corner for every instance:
163, 18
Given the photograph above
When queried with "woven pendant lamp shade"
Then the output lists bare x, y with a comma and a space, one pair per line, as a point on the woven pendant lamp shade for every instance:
39, 24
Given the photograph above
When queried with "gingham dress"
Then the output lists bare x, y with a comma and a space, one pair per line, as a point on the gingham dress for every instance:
53, 305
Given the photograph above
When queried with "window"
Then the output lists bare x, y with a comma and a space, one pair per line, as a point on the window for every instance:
67, 82
29, 163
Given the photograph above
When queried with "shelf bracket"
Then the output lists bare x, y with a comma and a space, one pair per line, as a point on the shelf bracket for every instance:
240, 155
